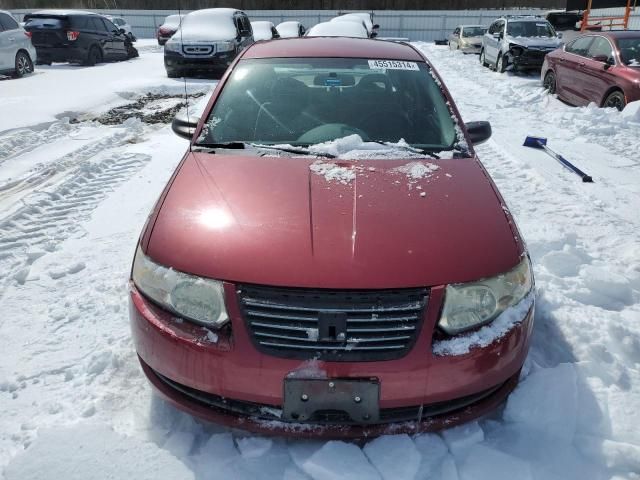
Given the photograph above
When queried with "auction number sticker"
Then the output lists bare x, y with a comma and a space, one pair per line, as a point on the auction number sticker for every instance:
392, 65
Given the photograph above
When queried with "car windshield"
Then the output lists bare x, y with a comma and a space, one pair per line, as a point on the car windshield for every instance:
305, 101
43, 22
473, 31
530, 29
630, 51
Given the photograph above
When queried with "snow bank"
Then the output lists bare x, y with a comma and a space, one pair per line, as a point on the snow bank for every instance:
341, 460
395, 456
333, 172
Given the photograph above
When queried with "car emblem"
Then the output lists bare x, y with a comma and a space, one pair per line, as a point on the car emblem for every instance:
332, 327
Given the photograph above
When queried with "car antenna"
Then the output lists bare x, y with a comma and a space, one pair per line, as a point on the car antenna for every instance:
184, 79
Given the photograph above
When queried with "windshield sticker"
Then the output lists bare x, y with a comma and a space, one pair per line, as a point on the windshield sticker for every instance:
392, 65
541, 24
333, 82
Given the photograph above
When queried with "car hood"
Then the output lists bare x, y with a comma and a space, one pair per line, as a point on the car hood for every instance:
275, 221
533, 42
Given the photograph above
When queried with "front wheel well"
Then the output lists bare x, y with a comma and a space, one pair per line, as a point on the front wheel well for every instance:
615, 88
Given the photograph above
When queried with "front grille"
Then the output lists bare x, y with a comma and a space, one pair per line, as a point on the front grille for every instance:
334, 325
329, 417
197, 49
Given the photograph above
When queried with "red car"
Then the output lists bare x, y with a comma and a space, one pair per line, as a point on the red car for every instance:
280, 290
602, 67
170, 26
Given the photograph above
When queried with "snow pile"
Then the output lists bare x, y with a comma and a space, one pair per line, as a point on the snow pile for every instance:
353, 147
417, 170
488, 334
333, 172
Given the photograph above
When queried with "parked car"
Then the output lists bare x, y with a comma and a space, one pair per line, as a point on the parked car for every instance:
168, 28
122, 24
467, 38
16, 51
207, 41
357, 20
338, 29
372, 28
267, 295
602, 68
264, 31
291, 29
76, 36
518, 42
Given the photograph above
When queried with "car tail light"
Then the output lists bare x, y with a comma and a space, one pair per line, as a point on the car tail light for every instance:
28, 34
72, 36
164, 31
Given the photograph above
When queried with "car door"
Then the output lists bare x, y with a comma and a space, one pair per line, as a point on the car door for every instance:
8, 41
100, 34
570, 77
453, 38
492, 41
598, 74
116, 40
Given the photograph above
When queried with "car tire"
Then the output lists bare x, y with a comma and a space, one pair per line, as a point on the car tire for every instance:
132, 52
549, 82
483, 60
23, 64
93, 57
501, 67
615, 99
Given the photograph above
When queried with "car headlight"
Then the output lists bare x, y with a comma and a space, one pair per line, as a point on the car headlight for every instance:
224, 46
197, 299
173, 46
470, 305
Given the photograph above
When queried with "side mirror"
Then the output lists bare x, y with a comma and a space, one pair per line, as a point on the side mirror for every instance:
374, 34
375, 26
560, 34
479, 132
184, 126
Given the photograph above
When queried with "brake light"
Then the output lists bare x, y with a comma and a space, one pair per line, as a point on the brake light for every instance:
28, 34
72, 36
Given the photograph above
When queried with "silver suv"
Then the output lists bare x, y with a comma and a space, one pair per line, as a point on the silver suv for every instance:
17, 53
518, 43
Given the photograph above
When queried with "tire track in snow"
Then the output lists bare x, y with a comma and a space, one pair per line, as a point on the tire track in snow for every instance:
23, 140
40, 225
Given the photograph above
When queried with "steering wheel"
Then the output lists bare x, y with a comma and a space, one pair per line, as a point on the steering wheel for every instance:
329, 132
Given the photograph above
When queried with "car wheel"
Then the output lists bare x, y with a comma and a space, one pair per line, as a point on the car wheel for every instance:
94, 56
549, 82
615, 100
23, 64
483, 60
501, 66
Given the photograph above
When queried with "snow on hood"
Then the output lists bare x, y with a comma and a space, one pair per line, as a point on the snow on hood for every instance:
207, 25
535, 41
353, 147
172, 21
338, 29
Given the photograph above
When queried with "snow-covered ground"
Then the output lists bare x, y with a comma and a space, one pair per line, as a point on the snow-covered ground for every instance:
74, 194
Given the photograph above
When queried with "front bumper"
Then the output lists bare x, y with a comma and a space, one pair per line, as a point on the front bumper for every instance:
471, 48
214, 63
527, 58
196, 374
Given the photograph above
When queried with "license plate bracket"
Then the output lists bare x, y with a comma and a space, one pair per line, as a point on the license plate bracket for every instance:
359, 398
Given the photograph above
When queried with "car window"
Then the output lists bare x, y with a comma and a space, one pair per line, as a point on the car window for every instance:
579, 46
473, 31
601, 46
94, 23
7, 22
302, 101
540, 28
81, 23
246, 26
630, 51
456, 31
109, 26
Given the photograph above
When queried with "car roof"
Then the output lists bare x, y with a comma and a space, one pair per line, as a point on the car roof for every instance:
328, 46
63, 13
230, 12
262, 22
619, 33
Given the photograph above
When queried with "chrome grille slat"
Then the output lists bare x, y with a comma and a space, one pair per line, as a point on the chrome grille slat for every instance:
377, 324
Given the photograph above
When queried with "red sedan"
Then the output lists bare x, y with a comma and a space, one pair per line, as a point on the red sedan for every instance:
281, 288
603, 68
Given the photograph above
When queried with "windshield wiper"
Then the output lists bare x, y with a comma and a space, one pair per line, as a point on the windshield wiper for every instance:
409, 148
213, 146
300, 150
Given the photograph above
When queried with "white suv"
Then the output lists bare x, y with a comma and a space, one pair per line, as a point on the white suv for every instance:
518, 43
17, 53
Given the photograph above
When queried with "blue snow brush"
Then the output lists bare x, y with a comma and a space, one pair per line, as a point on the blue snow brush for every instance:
541, 144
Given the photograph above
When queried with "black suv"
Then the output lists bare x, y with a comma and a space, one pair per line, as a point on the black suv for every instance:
75, 36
